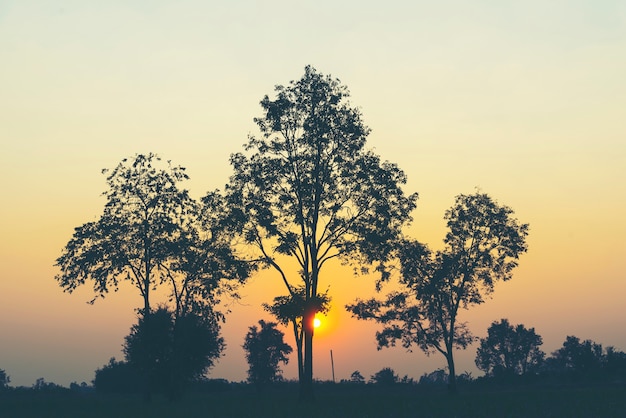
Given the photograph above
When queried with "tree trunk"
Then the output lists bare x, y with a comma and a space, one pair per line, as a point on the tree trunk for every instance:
298, 335
452, 388
306, 383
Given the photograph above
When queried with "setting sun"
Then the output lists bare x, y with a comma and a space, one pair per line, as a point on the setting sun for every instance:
317, 322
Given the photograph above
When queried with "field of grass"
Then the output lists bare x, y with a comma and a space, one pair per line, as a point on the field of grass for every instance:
535, 402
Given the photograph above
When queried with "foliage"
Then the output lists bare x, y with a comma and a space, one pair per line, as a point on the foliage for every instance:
436, 377
117, 377
509, 350
152, 233
291, 310
5, 379
357, 377
482, 247
135, 234
41, 386
171, 352
577, 357
385, 376
265, 350
308, 189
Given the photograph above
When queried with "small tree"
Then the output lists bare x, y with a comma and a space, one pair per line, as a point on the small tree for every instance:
357, 377
385, 377
4, 380
575, 356
265, 350
509, 350
482, 246
117, 377
171, 352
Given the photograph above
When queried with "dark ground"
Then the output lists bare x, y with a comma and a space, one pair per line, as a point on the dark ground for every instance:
331, 401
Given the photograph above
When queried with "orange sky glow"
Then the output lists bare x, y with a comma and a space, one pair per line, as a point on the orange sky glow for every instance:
524, 100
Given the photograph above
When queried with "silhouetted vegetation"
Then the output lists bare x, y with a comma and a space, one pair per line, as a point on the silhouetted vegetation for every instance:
357, 377
172, 352
117, 377
482, 246
509, 350
385, 376
307, 189
290, 310
5, 379
585, 360
265, 350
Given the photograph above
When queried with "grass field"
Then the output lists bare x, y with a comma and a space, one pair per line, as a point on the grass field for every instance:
571, 402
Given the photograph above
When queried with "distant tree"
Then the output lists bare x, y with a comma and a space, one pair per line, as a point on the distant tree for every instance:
265, 350
172, 352
309, 191
509, 350
357, 377
615, 362
482, 246
4, 380
117, 377
577, 357
41, 385
436, 377
384, 377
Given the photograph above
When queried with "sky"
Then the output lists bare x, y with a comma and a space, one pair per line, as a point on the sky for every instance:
524, 100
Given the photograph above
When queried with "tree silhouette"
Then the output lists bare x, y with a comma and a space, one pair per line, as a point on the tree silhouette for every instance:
482, 246
509, 350
117, 377
290, 310
171, 352
265, 349
4, 380
575, 356
307, 190
137, 233
153, 234
385, 376
357, 377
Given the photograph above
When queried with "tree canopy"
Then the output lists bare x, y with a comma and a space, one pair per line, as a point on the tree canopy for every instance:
265, 350
509, 350
307, 189
482, 246
152, 233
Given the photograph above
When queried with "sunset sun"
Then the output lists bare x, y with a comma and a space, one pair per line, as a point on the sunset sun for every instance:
317, 322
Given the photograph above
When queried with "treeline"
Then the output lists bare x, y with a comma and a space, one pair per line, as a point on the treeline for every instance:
307, 192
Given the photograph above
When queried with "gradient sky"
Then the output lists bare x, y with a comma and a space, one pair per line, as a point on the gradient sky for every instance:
526, 100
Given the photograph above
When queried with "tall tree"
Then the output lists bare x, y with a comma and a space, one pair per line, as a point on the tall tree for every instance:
136, 234
152, 234
309, 191
482, 246
509, 350
265, 350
